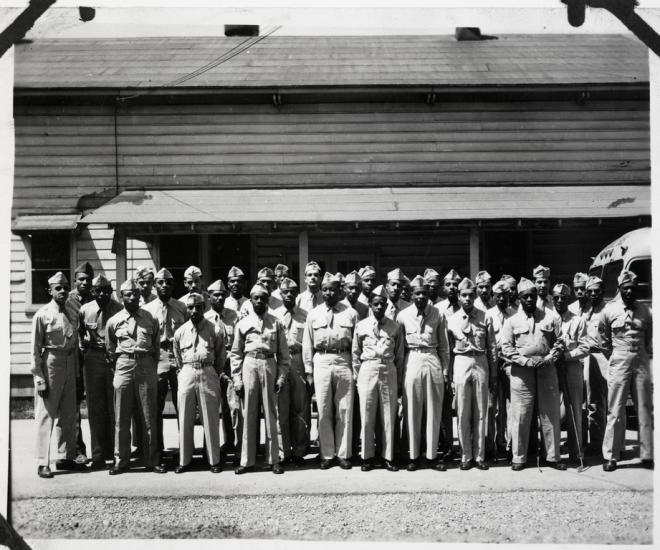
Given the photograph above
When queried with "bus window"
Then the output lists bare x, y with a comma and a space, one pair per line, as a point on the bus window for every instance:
642, 268
610, 274
596, 272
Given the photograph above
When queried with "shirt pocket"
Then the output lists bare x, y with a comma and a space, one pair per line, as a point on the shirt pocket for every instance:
54, 333
522, 335
144, 337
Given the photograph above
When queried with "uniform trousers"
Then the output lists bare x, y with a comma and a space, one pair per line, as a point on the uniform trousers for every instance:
595, 385
59, 370
81, 449
471, 381
295, 414
259, 376
503, 405
423, 393
530, 386
629, 371
235, 430
100, 407
167, 379
571, 382
377, 388
135, 383
333, 382
199, 387
446, 439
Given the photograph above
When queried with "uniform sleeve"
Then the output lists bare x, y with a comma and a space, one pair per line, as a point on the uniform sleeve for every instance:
491, 345
308, 346
399, 352
443, 347
283, 357
236, 356
155, 338
81, 330
605, 331
220, 349
37, 362
356, 351
509, 349
582, 341
176, 347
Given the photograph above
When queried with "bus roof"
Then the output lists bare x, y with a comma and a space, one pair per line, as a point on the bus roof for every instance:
631, 245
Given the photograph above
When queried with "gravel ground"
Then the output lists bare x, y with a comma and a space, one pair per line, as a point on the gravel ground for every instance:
595, 517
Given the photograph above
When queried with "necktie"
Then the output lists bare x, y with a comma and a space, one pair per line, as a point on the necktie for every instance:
315, 301
330, 316
531, 323
166, 326
131, 325
100, 328
287, 319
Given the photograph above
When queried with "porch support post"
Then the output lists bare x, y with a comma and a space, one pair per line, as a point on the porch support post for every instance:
474, 251
120, 256
205, 258
303, 257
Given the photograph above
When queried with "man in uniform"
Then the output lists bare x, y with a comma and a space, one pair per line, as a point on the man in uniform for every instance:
513, 290
484, 300
170, 314
235, 283
473, 344
145, 280
193, 281
327, 344
570, 368
432, 278
595, 374
542, 282
626, 330
353, 288
368, 277
294, 400
54, 345
394, 288
225, 319
265, 278
133, 343
312, 297
427, 372
529, 339
200, 353
97, 369
280, 273
259, 366
581, 304
498, 434
378, 356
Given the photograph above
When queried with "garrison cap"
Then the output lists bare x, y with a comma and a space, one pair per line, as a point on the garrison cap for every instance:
500, 287
594, 281
312, 266
379, 291
84, 267
100, 281
541, 272
59, 279
288, 284
561, 290
193, 299
193, 272
452, 276
580, 278
164, 273
395, 275
129, 284
626, 277
265, 272
281, 269
482, 277
259, 289
353, 278
235, 272
341, 277
466, 284
406, 282
142, 271
217, 286
367, 271
330, 279
419, 282
525, 285
509, 279
431, 274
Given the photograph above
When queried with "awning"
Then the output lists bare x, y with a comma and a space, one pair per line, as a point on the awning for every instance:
45, 222
373, 204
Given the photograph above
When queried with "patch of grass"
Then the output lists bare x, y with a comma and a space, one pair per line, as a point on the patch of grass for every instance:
22, 408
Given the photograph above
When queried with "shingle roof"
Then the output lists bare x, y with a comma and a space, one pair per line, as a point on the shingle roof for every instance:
332, 61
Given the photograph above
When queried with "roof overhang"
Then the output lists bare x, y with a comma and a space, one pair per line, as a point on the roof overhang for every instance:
364, 205
45, 222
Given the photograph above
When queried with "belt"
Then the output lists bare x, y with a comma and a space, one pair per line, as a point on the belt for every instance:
423, 349
470, 353
63, 351
135, 354
197, 364
333, 350
259, 355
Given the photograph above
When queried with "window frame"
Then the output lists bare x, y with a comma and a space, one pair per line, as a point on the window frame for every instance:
30, 306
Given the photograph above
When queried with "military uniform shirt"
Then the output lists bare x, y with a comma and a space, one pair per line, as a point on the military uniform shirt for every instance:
309, 300
574, 335
524, 337
378, 341
472, 333
233, 303
200, 345
626, 328
92, 320
425, 331
294, 324
126, 333
226, 320
170, 315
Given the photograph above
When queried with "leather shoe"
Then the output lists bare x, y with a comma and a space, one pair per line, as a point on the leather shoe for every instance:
116, 470
98, 465
465, 465
609, 466
345, 464
557, 465
367, 465
481, 465
326, 463
44, 471
648, 464
439, 466
215, 469
278, 468
180, 469
518, 466
158, 468
412, 465
242, 470
391, 467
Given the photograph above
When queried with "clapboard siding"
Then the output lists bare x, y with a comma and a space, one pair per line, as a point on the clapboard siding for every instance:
139, 253
66, 152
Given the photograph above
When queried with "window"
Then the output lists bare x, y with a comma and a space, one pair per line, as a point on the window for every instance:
610, 275
47, 253
177, 253
642, 268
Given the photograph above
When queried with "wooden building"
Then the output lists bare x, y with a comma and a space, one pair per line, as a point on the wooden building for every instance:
407, 151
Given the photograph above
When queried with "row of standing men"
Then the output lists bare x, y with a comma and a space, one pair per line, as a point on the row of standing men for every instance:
504, 355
